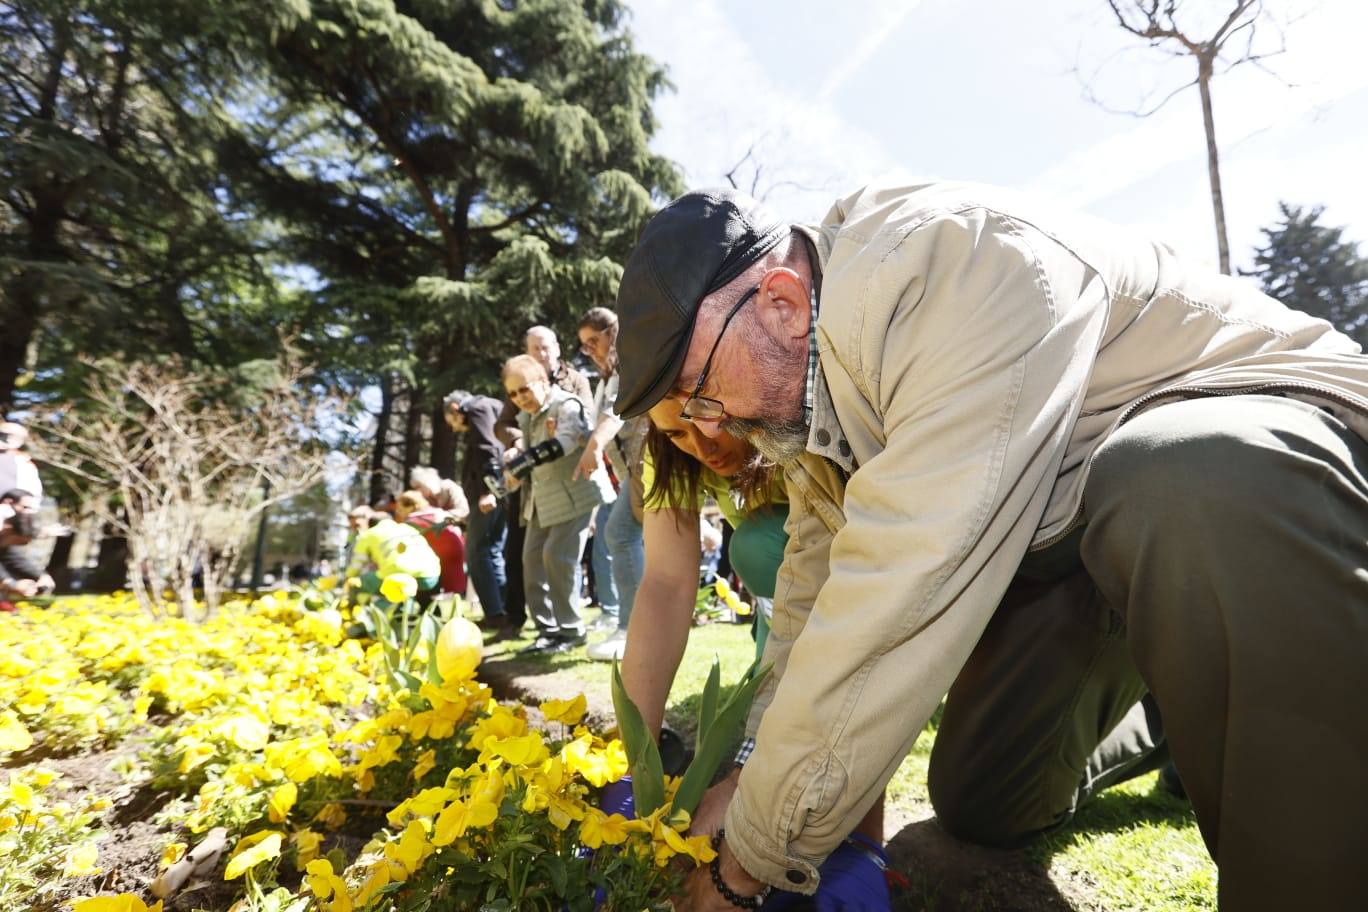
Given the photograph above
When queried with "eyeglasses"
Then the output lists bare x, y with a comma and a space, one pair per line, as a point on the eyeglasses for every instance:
701, 408
520, 391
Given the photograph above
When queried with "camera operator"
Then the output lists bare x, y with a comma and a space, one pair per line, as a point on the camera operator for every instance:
558, 508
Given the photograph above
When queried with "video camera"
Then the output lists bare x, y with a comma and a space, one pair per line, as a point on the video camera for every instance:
520, 466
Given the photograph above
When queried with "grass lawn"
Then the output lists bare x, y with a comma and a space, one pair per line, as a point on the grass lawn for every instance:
1133, 848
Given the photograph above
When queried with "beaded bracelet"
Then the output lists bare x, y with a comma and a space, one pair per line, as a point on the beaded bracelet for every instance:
730, 895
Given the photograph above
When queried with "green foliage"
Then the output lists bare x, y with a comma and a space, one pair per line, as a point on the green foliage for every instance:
1313, 268
471, 167
643, 756
718, 729
401, 187
109, 192
42, 840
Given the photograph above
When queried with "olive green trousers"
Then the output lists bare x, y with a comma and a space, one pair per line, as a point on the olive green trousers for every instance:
1214, 609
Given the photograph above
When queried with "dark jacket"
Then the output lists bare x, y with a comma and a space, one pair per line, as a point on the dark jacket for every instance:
15, 563
483, 451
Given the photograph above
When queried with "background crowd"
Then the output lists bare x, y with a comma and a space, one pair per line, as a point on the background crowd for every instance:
546, 519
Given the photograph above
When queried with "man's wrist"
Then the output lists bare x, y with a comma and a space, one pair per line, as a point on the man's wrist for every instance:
732, 880
739, 878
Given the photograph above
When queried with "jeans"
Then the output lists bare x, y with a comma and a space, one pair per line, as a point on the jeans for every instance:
622, 534
551, 575
604, 589
485, 537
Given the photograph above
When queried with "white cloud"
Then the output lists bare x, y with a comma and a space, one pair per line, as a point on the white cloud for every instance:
726, 102
887, 20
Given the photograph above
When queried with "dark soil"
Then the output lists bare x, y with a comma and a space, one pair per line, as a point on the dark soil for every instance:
132, 844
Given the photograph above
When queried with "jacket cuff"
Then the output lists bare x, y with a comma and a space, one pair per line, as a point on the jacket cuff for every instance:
765, 860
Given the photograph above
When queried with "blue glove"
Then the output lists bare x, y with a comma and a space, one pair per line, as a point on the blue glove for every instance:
852, 881
617, 798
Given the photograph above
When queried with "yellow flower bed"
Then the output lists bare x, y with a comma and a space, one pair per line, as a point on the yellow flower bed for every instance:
278, 727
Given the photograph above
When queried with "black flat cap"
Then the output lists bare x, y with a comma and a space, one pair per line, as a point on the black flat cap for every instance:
687, 251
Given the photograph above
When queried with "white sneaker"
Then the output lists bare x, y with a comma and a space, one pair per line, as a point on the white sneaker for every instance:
609, 649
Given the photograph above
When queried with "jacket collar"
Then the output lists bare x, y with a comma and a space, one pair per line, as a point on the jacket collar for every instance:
825, 437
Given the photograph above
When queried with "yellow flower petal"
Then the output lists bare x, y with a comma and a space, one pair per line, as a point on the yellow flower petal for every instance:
13, 735
399, 587
252, 851
282, 799
568, 712
80, 861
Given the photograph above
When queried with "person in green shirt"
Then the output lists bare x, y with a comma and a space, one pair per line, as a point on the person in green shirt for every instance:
389, 547
681, 469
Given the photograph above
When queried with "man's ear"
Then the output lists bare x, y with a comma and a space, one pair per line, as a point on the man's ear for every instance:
783, 304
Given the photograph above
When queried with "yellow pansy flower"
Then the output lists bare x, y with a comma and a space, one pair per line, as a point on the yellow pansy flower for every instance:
173, 853
324, 883
523, 750
13, 735
124, 902
426, 763
568, 712
80, 861
282, 799
407, 854
251, 851
23, 796
598, 828
378, 879
332, 815
306, 843
399, 587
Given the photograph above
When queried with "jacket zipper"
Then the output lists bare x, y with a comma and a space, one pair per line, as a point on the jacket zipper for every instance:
1195, 392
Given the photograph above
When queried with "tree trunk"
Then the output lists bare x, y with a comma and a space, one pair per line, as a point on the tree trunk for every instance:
382, 423
413, 433
1204, 71
58, 565
24, 296
443, 453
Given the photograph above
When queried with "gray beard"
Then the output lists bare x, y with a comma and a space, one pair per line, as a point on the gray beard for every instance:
779, 441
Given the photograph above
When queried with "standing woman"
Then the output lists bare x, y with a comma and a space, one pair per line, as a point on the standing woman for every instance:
620, 443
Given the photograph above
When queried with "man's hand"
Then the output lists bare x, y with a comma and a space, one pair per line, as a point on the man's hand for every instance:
712, 810
589, 461
486, 503
45, 584
701, 896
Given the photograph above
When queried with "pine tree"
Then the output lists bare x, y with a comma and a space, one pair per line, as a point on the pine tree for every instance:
111, 238
1313, 268
455, 170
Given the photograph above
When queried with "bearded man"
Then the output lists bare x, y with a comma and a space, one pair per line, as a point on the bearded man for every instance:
1112, 507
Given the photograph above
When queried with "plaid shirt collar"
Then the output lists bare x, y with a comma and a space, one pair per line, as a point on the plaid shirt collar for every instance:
825, 437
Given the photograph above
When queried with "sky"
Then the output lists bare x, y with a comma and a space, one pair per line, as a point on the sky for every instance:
828, 97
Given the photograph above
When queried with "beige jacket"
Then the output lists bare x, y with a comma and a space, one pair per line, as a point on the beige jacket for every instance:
975, 349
